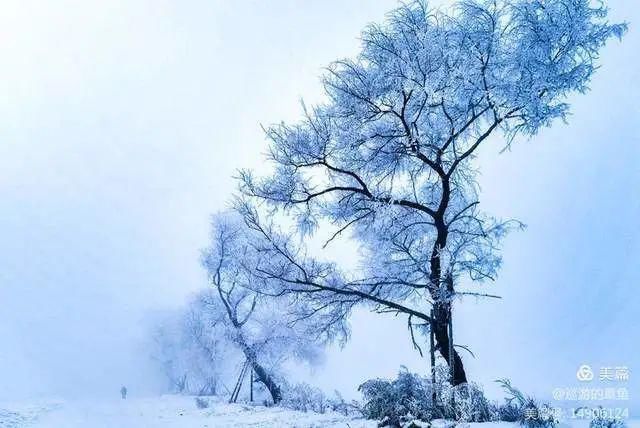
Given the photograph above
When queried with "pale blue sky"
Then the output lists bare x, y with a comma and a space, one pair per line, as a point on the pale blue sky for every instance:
122, 123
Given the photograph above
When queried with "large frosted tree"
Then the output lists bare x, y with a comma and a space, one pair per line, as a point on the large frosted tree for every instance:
389, 156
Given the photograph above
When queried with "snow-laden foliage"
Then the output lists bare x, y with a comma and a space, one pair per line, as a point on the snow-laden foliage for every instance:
530, 412
304, 397
507, 412
307, 398
277, 268
253, 317
390, 154
412, 397
470, 405
603, 421
399, 400
415, 398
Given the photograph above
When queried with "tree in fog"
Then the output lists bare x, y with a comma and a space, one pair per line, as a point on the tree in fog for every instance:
259, 325
389, 156
193, 350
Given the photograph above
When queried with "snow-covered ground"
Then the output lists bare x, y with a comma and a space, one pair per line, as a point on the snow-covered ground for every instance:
162, 412
182, 412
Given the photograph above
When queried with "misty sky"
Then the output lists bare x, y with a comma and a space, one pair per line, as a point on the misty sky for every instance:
123, 122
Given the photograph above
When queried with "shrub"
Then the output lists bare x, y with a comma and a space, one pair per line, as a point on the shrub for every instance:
506, 412
526, 410
339, 405
305, 398
470, 404
410, 398
301, 397
392, 402
601, 420
202, 403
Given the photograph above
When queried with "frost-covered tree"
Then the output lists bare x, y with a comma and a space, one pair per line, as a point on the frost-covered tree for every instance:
390, 155
193, 350
259, 325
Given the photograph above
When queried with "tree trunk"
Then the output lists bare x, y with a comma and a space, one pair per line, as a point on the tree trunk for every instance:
267, 380
432, 358
442, 315
442, 309
262, 375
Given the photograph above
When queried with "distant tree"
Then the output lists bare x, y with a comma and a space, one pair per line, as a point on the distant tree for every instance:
167, 352
193, 349
390, 154
213, 353
259, 326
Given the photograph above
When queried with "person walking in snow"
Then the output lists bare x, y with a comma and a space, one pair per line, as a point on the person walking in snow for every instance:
123, 392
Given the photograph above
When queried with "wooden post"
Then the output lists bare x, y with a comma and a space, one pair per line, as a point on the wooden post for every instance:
238, 387
452, 360
251, 386
432, 354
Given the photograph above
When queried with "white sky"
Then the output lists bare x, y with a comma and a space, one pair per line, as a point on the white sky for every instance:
122, 123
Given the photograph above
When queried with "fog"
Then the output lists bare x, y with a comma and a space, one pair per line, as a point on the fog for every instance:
122, 124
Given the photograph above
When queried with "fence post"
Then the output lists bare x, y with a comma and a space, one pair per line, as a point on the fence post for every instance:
452, 360
432, 354
251, 387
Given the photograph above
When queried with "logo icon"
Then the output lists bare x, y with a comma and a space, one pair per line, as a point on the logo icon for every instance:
584, 374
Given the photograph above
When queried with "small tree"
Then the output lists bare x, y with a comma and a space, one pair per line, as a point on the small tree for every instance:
390, 154
193, 350
257, 325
